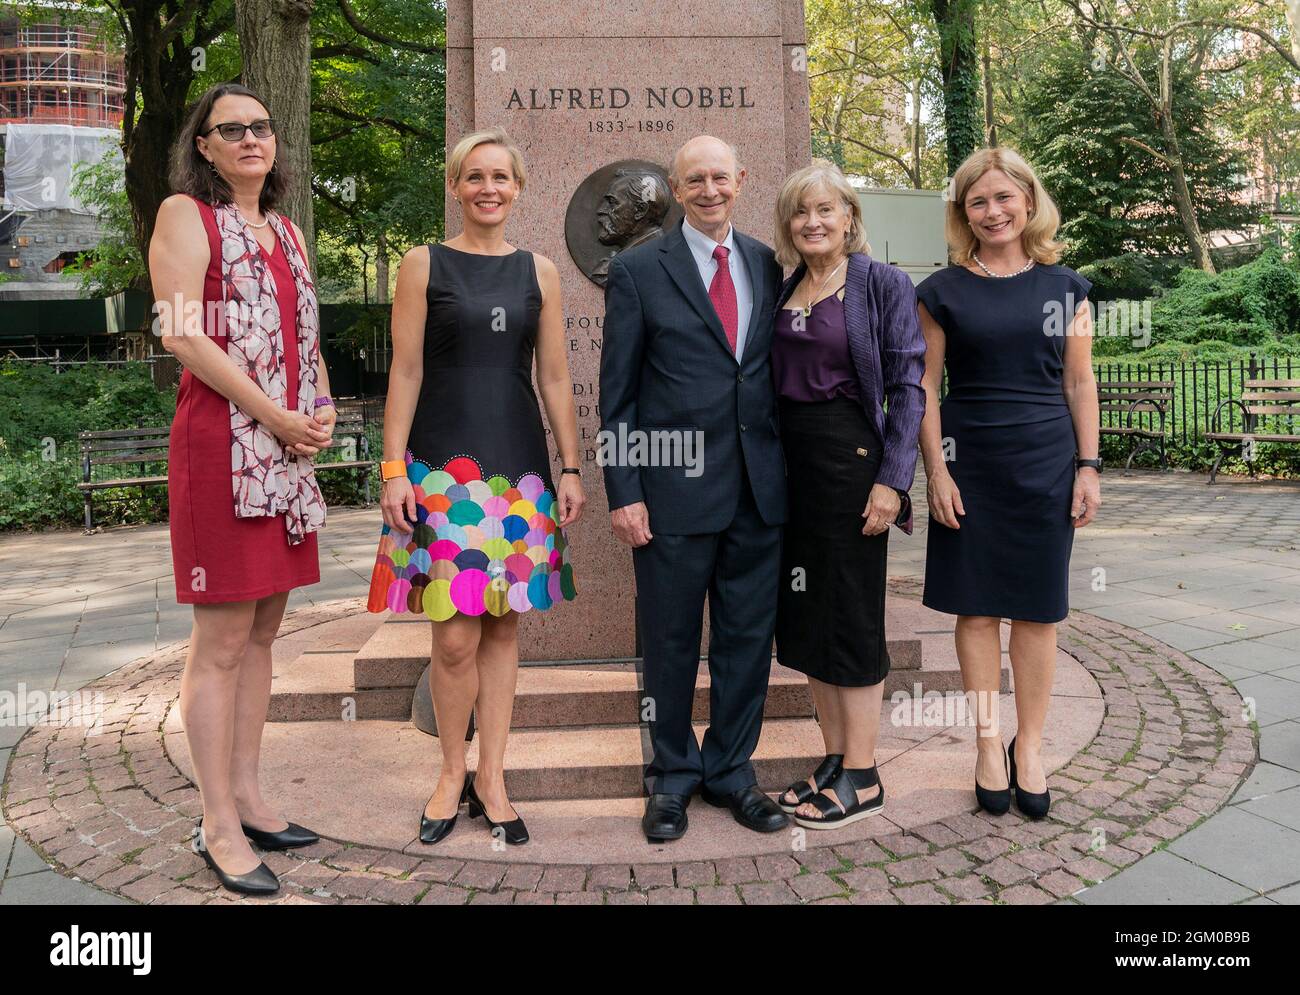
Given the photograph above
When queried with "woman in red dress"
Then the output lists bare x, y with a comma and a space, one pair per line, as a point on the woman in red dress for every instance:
236, 305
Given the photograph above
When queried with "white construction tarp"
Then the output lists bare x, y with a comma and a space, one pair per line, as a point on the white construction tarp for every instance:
39, 159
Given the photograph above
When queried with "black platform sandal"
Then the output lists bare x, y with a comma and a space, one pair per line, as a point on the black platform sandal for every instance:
827, 771
846, 786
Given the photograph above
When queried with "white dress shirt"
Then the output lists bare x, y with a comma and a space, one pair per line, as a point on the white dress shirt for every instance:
702, 247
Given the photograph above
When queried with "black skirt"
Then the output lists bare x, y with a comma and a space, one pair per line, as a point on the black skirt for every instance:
830, 621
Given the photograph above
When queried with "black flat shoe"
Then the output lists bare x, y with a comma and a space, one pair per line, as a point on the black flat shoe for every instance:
751, 808
665, 817
433, 830
513, 832
995, 802
834, 815
1032, 806
261, 880
826, 772
291, 836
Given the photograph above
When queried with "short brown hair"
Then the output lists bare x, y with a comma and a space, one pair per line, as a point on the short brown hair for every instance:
191, 173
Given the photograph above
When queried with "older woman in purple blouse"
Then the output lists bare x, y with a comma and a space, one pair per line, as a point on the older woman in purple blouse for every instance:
847, 358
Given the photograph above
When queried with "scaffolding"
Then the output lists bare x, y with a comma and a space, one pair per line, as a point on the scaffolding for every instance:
57, 74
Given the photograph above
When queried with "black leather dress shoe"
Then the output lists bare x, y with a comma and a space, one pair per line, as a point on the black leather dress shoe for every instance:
436, 830
261, 880
665, 817
513, 832
751, 808
291, 836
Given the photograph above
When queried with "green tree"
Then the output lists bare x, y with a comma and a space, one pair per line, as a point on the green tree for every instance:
1087, 130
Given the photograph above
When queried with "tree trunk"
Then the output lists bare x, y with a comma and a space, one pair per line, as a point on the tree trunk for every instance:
1183, 198
1293, 23
1182, 192
958, 60
159, 70
381, 270
275, 40
916, 134
990, 126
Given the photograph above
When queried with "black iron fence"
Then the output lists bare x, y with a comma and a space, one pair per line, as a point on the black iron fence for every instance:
1199, 388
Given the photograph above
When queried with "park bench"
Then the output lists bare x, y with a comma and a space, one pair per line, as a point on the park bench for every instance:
1135, 397
1264, 404
143, 448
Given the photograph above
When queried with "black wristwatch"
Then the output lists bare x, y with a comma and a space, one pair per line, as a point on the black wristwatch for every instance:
1094, 463
571, 469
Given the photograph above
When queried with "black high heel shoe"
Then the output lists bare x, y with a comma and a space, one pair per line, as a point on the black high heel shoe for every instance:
261, 880
292, 835
513, 832
995, 802
433, 830
1034, 806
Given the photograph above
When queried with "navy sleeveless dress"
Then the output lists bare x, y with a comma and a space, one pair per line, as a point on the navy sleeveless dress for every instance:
1009, 443
487, 536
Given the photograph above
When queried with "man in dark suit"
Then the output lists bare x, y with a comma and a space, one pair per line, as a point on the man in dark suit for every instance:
688, 329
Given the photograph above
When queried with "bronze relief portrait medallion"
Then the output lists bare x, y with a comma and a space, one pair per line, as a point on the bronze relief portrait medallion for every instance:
621, 205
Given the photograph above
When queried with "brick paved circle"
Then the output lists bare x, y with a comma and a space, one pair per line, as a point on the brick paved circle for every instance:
106, 805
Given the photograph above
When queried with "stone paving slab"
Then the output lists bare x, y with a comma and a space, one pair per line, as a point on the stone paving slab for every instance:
112, 808
1153, 526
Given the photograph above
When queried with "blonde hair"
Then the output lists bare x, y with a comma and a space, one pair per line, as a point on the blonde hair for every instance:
1039, 235
488, 136
821, 175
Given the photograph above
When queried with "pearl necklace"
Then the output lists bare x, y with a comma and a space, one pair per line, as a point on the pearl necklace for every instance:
268, 221
1000, 276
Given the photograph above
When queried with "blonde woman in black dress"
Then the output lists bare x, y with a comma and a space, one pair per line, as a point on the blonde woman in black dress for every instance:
1011, 454
473, 524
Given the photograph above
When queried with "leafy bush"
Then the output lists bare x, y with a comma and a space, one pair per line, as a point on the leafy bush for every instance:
37, 403
1257, 304
1131, 276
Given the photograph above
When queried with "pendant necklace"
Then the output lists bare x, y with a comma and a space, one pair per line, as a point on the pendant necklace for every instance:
806, 310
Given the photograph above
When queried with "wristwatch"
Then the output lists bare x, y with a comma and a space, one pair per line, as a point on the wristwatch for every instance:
1094, 463
390, 468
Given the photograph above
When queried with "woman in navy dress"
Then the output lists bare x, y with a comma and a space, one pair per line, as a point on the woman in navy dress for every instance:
1010, 455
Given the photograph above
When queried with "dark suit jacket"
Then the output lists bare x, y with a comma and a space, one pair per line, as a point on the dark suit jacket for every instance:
665, 364
888, 353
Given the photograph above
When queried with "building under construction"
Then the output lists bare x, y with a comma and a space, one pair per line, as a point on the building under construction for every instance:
61, 88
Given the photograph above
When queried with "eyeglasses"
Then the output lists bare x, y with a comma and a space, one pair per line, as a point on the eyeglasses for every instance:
233, 131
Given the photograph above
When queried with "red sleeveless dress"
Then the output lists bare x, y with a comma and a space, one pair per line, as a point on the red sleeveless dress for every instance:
217, 557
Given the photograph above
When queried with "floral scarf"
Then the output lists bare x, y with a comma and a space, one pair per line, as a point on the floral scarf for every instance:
268, 480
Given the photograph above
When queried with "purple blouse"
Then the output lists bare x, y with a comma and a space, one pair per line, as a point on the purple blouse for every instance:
812, 362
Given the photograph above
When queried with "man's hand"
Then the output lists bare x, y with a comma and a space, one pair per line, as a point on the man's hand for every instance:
631, 524
883, 505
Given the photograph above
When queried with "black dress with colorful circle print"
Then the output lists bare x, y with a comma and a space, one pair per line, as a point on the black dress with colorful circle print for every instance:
487, 538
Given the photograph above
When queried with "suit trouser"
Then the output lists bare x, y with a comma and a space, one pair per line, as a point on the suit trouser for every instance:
737, 569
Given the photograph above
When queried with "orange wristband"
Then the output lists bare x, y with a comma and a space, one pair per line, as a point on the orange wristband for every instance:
391, 468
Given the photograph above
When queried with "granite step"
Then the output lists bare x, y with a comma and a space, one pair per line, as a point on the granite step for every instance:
398, 652
318, 687
608, 762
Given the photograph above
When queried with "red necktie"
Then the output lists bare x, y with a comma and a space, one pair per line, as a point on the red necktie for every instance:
722, 292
